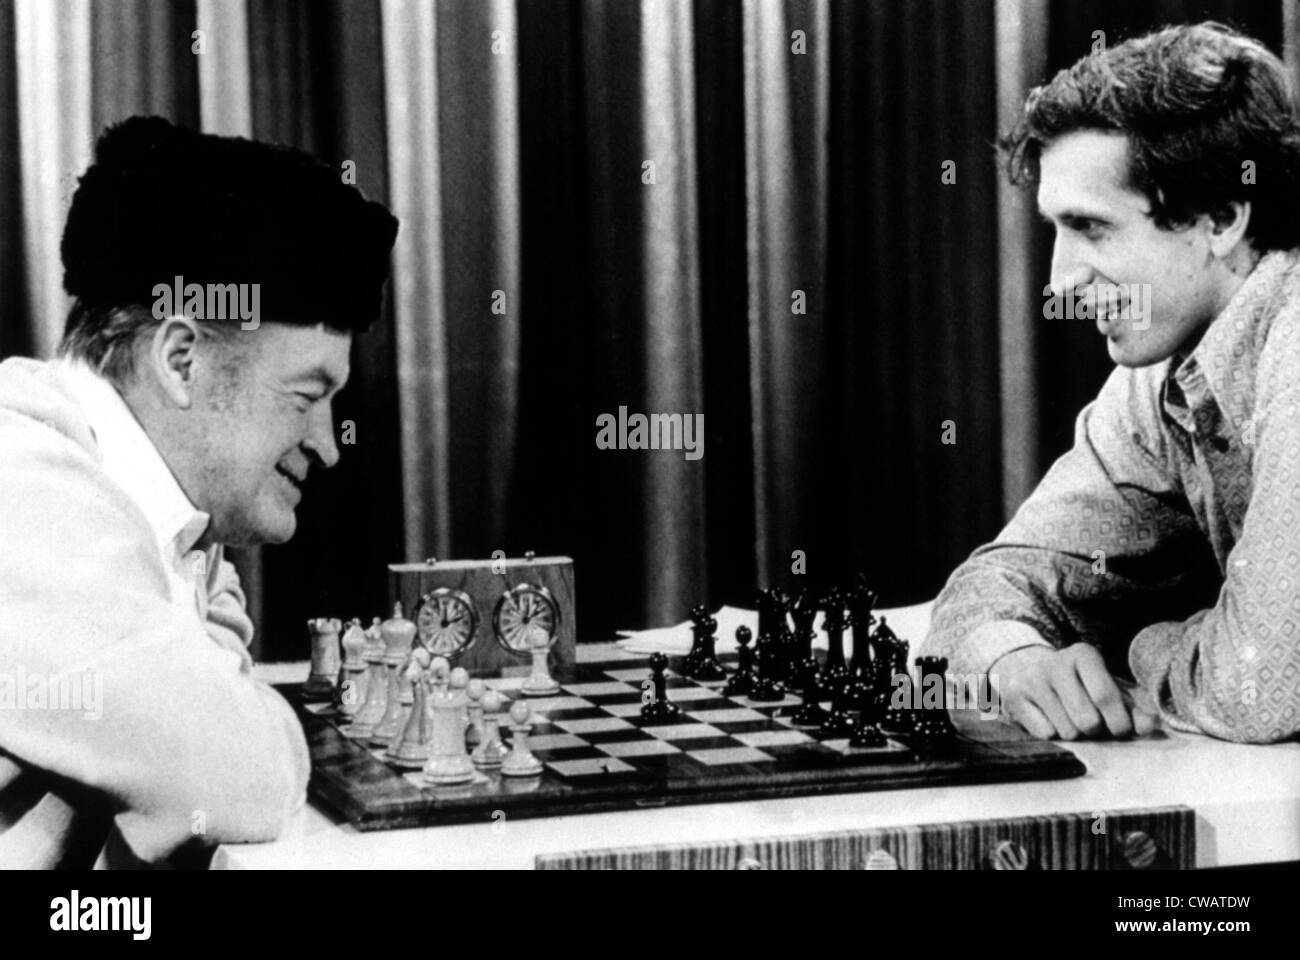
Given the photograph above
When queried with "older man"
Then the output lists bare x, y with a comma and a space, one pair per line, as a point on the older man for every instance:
1167, 541
169, 427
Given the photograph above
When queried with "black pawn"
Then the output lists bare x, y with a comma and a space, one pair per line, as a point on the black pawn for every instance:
742, 681
839, 722
766, 688
702, 662
810, 712
867, 736
659, 709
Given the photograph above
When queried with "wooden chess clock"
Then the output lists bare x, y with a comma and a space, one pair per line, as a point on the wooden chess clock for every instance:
484, 614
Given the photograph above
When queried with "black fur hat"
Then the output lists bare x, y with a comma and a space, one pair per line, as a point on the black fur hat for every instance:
162, 202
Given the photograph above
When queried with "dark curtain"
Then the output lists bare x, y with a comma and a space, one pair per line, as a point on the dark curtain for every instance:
317, 84
830, 443
15, 337
912, 291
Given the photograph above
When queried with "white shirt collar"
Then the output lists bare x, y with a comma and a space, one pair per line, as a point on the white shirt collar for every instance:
133, 462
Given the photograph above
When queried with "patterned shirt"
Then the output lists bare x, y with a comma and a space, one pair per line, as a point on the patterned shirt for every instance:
1169, 536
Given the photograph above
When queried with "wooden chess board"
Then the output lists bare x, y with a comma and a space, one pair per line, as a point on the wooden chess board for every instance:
600, 755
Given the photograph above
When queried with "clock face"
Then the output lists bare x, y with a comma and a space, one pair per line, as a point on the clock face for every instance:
525, 616
446, 621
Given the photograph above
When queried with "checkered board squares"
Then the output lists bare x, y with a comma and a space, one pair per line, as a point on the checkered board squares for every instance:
593, 729
598, 754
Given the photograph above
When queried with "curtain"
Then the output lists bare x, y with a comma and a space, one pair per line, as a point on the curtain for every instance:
784, 215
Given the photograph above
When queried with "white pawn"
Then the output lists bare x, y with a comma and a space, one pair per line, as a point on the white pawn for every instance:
521, 762
492, 751
448, 761
539, 683
411, 750
375, 705
474, 732
351, 690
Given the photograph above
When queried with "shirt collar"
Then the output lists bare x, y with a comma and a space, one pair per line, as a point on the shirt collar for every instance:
1224, 362
132, 461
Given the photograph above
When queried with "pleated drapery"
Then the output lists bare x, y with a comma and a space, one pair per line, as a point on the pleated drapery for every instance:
733, 208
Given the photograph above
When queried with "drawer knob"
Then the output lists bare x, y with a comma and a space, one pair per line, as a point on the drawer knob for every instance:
1009, 855
1140, 850
880, 860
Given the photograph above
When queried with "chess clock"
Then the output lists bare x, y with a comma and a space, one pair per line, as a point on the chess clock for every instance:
483, 614
446, 621
522, 613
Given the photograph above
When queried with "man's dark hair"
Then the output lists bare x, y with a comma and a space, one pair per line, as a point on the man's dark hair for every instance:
1196, 102
162, 202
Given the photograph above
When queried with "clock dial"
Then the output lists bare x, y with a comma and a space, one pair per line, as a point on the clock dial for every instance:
446, 622
525, 613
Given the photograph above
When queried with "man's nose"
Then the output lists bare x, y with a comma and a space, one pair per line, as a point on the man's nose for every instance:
320, 438
1069, 269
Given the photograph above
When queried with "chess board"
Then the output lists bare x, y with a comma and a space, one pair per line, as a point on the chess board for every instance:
600, 755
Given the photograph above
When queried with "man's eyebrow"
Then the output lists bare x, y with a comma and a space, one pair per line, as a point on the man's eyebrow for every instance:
1072, 216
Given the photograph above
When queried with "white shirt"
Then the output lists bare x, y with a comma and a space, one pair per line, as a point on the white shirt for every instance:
132, 461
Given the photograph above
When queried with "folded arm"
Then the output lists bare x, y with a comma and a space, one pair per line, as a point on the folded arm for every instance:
1105, 545
180, 739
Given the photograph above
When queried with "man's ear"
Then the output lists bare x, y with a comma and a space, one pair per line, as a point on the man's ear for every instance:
171, 359
1228, 228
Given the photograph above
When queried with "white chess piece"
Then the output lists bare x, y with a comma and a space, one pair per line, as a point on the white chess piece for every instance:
375, 706
474, 732
490, 753
410, 751
448, 761
520, 762
539, 683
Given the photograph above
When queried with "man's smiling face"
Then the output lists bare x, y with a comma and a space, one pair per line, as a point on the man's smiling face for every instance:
266, 418
1106, 235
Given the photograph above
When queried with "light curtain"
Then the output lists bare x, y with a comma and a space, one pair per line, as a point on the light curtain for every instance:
542, 276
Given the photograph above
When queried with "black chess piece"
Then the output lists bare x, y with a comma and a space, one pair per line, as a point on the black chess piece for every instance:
741, 682
876, 706
810, 713
835, 672
766, 616
931, 722
862, 600
702, 662
787, 661
766, 687
867, 736
893, 666
839, 722
659, 709
803, 611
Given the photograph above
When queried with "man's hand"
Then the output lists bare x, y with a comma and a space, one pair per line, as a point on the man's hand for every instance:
1066, 693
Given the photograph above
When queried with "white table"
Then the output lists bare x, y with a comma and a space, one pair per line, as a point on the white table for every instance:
1246, 800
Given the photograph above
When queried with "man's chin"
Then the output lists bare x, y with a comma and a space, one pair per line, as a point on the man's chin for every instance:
258, 535
1126, 354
